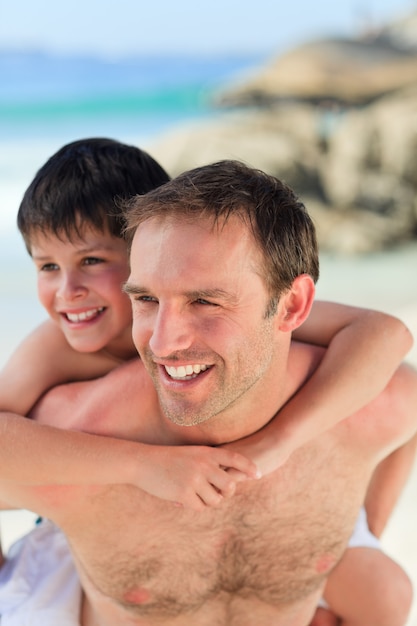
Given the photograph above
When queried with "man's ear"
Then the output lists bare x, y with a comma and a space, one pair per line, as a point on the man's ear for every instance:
295, 304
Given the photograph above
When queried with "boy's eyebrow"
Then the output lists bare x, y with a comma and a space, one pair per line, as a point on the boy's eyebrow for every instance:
38, 257
88, 250
92, 248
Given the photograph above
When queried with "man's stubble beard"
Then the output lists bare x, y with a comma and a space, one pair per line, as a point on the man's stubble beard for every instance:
225, 395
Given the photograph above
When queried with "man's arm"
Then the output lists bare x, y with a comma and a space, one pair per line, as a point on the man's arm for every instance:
364, 349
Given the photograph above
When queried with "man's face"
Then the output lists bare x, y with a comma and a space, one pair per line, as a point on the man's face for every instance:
199, 316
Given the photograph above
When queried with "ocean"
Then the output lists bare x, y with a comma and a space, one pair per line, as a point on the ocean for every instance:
48, 101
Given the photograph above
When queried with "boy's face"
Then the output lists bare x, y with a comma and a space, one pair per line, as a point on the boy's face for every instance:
79, 284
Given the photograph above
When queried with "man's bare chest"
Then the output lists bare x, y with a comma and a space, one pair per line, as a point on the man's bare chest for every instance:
274, 541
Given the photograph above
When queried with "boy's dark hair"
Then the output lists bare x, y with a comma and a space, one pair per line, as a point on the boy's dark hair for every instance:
83, 183
280, 224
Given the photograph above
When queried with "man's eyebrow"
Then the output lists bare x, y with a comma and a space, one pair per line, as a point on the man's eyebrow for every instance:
132, 290
210, 294
198, 294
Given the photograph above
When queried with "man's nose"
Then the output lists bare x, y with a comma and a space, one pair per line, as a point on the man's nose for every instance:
172, 331
71, 286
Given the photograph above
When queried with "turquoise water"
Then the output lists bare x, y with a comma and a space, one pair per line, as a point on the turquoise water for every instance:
40, 94
48, 101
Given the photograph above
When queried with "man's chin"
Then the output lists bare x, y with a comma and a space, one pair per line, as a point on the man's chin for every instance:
182, 416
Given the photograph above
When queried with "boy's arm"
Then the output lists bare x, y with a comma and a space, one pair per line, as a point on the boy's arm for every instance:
43, 360
35, 454
364, 348
38, 455
386, 486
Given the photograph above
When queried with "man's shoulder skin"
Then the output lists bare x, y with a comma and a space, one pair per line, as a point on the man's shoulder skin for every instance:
124, 404
115, 404
125, 400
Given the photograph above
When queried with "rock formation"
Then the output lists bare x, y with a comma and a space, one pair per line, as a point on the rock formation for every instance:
337, 120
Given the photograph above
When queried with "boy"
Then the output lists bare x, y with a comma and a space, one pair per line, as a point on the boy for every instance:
73, 233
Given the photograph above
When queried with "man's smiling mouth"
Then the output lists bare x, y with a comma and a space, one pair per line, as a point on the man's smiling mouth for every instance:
185, 372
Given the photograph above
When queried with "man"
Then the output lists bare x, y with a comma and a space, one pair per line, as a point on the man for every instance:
223, 263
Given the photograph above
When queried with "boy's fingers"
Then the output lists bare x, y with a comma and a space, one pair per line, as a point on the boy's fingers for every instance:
211, 496
239, 462
224, 483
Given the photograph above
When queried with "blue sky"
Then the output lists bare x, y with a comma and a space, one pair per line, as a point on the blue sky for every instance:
117, 28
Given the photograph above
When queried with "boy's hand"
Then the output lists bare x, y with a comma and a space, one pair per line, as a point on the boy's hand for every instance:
266, 453
194, 476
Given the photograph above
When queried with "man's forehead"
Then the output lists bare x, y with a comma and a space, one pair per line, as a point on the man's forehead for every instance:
208, 225
190, 241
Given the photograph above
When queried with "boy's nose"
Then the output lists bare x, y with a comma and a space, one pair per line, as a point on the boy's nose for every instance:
71, 287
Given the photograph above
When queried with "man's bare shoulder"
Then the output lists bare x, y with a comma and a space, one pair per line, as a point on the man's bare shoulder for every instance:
387, 422
115, 404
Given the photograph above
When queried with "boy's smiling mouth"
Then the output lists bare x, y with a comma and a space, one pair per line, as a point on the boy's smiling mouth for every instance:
84, 315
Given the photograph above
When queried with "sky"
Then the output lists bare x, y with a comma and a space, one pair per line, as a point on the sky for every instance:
118, 28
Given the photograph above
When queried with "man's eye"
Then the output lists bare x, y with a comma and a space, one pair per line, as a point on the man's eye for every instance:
139, 298
205, 302
92, 260
145, 299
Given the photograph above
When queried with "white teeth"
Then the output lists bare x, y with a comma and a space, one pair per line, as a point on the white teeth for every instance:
185, 370
86, 315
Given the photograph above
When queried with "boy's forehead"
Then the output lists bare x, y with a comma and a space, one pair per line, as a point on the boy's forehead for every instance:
84, 236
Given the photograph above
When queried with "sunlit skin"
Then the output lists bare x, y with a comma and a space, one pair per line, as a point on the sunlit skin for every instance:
199, 300
79, 284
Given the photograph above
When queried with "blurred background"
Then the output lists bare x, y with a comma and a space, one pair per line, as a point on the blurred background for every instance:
325, 99
323, 96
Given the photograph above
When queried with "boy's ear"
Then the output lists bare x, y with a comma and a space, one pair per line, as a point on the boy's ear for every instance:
296, 303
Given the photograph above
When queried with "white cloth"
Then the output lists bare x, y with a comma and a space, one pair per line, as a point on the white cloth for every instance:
362, 536
39, 585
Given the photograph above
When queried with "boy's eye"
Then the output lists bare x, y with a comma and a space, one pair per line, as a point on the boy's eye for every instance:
49, 267
92, 260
